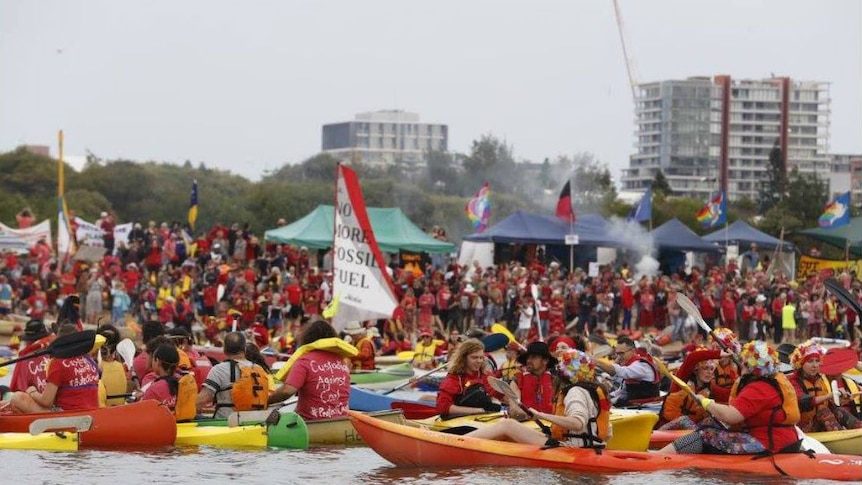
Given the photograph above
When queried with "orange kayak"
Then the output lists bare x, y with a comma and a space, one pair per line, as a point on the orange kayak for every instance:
416, 447
144, 424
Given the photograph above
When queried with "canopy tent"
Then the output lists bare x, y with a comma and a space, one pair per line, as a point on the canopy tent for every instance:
674, 235
742, 234
525, 228
848, 234
392, 229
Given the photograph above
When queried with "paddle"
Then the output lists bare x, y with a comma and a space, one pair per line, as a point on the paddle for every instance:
842, 294
692, 310
413, 410
406, 355
500, 328
502, 387
838, 361
71, 345
126, 349
77, 423
534, 291
416, 379
495, 342
836, 394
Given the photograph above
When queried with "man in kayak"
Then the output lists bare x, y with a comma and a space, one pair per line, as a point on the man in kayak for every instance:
72, 383
535, 384
236, 384
321, 378
465, 390
364, 360
581, 412
762, 402
637, 371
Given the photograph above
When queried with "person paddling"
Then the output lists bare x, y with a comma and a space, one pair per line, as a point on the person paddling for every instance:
175, 389
534, 386
637, 371
465, 390
814, 392
236, 384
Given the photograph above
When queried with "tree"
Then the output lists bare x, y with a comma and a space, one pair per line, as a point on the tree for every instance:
441, 175
660, 184
773, 186
593, 187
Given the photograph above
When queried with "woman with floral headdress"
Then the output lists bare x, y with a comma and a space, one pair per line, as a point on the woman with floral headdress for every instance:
762, 412
816, 405
680, 410
581, 416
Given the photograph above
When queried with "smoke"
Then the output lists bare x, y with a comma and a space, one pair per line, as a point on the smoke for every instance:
639, 242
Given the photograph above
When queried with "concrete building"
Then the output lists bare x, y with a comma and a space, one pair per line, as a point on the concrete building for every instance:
384, 137
705, 134
846, 175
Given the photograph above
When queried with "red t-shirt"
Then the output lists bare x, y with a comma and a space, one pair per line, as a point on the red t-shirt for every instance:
33, 372
77, 381
537, 392
294, 294
160, 391
755, 403
323, 382
453, 385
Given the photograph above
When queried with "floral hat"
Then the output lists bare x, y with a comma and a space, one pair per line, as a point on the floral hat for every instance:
576, 366
759, 358
728, 338
805, 352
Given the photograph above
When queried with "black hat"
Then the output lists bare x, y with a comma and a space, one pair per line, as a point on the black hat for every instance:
35, 330
541, 349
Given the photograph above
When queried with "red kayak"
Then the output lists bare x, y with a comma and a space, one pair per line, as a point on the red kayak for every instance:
144, 424
415, 447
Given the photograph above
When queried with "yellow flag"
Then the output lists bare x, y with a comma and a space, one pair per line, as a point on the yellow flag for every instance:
332, 308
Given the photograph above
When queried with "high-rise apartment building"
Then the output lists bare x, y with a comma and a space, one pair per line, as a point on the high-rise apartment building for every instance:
705, 134
384, 137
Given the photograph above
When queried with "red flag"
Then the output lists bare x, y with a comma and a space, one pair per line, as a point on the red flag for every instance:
564, 205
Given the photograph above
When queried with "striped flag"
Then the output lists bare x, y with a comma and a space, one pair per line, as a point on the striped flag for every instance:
564, 204
478, 209
193, 205
714, 213
837, 212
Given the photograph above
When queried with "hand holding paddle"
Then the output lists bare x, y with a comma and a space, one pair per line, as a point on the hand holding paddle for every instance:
416, 379
534, 290
502, 387
686, 304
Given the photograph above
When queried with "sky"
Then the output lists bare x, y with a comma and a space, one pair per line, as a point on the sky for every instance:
247, 86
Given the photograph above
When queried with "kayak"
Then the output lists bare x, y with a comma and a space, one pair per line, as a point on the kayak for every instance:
389, 360
385, 378
417, 447
42, 441
290, 432
367, 400
142, 424
846, 442
631, 431
340, 431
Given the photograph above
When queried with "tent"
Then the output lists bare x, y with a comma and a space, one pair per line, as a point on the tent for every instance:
674, 235
393, 230
525, 228
840, 236
742, 234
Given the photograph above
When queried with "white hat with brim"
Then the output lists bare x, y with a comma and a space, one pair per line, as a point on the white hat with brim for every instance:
354, 328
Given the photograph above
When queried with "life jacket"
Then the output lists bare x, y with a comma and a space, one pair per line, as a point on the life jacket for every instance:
725, 376
249, 389
185, 389
687, 407
537, 391
425, 353
114, 380
638, 389
597, 428
855, 405
820, 387
364, 363
509, 370
789, 403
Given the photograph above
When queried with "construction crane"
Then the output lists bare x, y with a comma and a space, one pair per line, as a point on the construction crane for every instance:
630, 63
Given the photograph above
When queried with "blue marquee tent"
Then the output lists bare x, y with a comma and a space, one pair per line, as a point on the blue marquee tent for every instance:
742, 234
525, 228
674, 235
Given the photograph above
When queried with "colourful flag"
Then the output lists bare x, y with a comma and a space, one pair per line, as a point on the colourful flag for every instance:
478, 209
837, 212
564, 205
642, 211
193, 205
714, 213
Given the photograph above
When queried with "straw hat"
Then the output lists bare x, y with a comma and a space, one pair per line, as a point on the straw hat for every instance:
354, 328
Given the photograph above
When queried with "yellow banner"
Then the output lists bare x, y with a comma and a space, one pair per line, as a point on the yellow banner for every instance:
826, 268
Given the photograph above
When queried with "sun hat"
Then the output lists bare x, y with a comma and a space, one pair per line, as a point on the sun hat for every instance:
576, 366
354, 328
759, 359
806, 352
541, 349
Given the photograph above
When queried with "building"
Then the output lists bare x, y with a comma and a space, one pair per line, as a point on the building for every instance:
384, 137
846, 175
705, 134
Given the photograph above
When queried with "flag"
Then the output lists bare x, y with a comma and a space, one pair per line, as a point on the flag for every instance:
714, 213
837, 212
642, 211
564, 205
478, 209
193, 205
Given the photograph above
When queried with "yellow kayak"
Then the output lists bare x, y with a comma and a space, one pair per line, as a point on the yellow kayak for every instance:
631, 430
42, 441
239, 436
844, 442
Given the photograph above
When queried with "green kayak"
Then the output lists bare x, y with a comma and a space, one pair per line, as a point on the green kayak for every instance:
382, 378
289, 432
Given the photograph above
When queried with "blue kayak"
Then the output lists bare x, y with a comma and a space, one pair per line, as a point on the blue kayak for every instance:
367, 400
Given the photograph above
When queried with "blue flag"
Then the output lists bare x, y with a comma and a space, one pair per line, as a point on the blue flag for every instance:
642, 211
837, 212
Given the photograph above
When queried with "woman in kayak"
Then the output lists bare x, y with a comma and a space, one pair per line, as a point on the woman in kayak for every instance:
581, 416
762, 403
465, 390
814, 391
680, 410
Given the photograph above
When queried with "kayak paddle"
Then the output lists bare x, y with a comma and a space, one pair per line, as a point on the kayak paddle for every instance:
842, 294
502, 387
77, 423
126, 349
534, 291
71, 345
416, 379
692, 310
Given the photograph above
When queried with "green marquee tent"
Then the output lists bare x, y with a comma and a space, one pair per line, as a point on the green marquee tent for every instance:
393, 230
840, 236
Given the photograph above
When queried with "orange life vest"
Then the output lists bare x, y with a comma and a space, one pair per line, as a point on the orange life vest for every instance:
820, 387
186, 391
726, 375
249, 389
597, 429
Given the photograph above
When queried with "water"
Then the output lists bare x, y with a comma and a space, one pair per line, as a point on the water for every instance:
331, 465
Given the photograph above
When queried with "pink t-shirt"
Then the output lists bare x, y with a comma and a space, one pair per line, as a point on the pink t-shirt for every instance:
160, 391
323, 382
77, 381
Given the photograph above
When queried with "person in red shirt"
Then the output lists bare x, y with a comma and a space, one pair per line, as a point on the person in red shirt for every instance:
294, 297
556, 314
708, 308
535, 384
426, 304
444, 300
465, 390
728, 311
32, 372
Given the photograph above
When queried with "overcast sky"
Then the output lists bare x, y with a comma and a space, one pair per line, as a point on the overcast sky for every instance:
246, 86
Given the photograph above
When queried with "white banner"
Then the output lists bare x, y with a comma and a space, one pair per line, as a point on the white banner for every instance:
121, 234
89, 234
21, 240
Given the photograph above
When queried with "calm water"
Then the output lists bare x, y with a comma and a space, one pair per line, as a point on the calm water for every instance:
333, 466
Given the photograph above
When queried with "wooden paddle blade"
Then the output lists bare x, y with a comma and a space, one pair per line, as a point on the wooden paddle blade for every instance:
686, 304
415, 411
495, 342
75, 423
